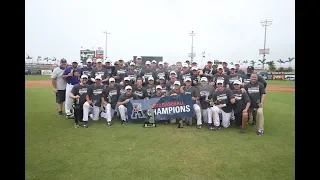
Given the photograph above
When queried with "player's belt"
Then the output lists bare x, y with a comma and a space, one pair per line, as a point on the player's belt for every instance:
71, 84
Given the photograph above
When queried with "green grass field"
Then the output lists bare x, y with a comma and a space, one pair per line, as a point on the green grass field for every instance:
37, 78
56, 150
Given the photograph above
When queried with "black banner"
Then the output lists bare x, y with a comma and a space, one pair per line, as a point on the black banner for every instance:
85, 54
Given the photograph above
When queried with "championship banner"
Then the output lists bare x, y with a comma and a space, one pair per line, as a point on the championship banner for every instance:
164, 108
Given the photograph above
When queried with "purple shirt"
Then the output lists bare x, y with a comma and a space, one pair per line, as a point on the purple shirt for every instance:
76, 74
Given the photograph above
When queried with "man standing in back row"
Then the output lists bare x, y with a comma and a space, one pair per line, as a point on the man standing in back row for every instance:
72, 75
59, 84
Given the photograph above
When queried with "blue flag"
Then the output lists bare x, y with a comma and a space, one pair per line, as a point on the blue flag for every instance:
164, 108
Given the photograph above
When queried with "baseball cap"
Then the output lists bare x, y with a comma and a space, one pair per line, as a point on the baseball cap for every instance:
84, 76
224, 62
98, 77
173, 72
89, 60
99, 61
194, 62
184, 65
209, 61
128, 87
232, 67
160, 63
158, 87
194, 68
204, 79
126, 79
148, 62
220, 81
132, 64
139, 57
154, 61
108, 61
121, 59
150, 78
177, 83
220, 67
63, 61
237, 64
112, 80
187, 61
165, 62
74, 61
250, 68
187, 79
161, 78
236, 82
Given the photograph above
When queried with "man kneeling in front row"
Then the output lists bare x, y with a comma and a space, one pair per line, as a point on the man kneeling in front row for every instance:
123, 101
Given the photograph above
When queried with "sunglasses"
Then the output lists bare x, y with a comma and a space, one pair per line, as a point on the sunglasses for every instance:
128, 89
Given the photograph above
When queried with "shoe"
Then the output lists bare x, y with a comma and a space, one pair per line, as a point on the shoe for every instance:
259, 133
210, 126
70, 116
76, 126
123, 122
254, 123
85, 126
60, 113
242, 131
199, 126
216, 128
180, 124
109, 123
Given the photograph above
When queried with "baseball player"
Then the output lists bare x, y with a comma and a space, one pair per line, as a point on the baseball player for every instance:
139, 90
123, 84
110, 69
87, 71
209, 71
59, 84
238, 70
100, 71
186, 73
109, 100
151, 88
79, 94
123, 101
158, 92
195, 78
146, 73
176, 91
221, 76
154, 65
233, 77
257, 93
72, 76
225, 68
241, 105
223, 99
170, 84
161, 72
205, 91
163, 85
93, 103
188, 89
139, 67
247, 77
120, 71
132, 74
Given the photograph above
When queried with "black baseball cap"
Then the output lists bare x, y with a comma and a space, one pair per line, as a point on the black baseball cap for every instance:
250, 68
63, 61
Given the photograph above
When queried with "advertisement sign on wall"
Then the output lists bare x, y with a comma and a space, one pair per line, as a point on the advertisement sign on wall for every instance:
290, 77
46, 72
278, 77
99, 53
85, 54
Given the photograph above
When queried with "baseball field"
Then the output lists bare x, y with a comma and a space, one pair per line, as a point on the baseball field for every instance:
56, 150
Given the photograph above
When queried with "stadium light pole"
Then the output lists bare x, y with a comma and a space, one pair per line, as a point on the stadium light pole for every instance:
105, 53
192, 34
265, 23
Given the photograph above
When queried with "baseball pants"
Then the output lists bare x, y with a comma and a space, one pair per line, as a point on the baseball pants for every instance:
69, 101
95, 110
123, 112
238, 118
206, 115
225, 117
109, 112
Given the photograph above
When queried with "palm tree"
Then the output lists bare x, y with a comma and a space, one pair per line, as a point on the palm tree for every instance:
258, 65
263, 62
54, 60
29, 58
252, 62
245, 62
46, 59
289, 60
280, 62
272, 66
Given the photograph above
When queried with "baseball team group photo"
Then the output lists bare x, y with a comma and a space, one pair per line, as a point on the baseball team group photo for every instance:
182, 91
